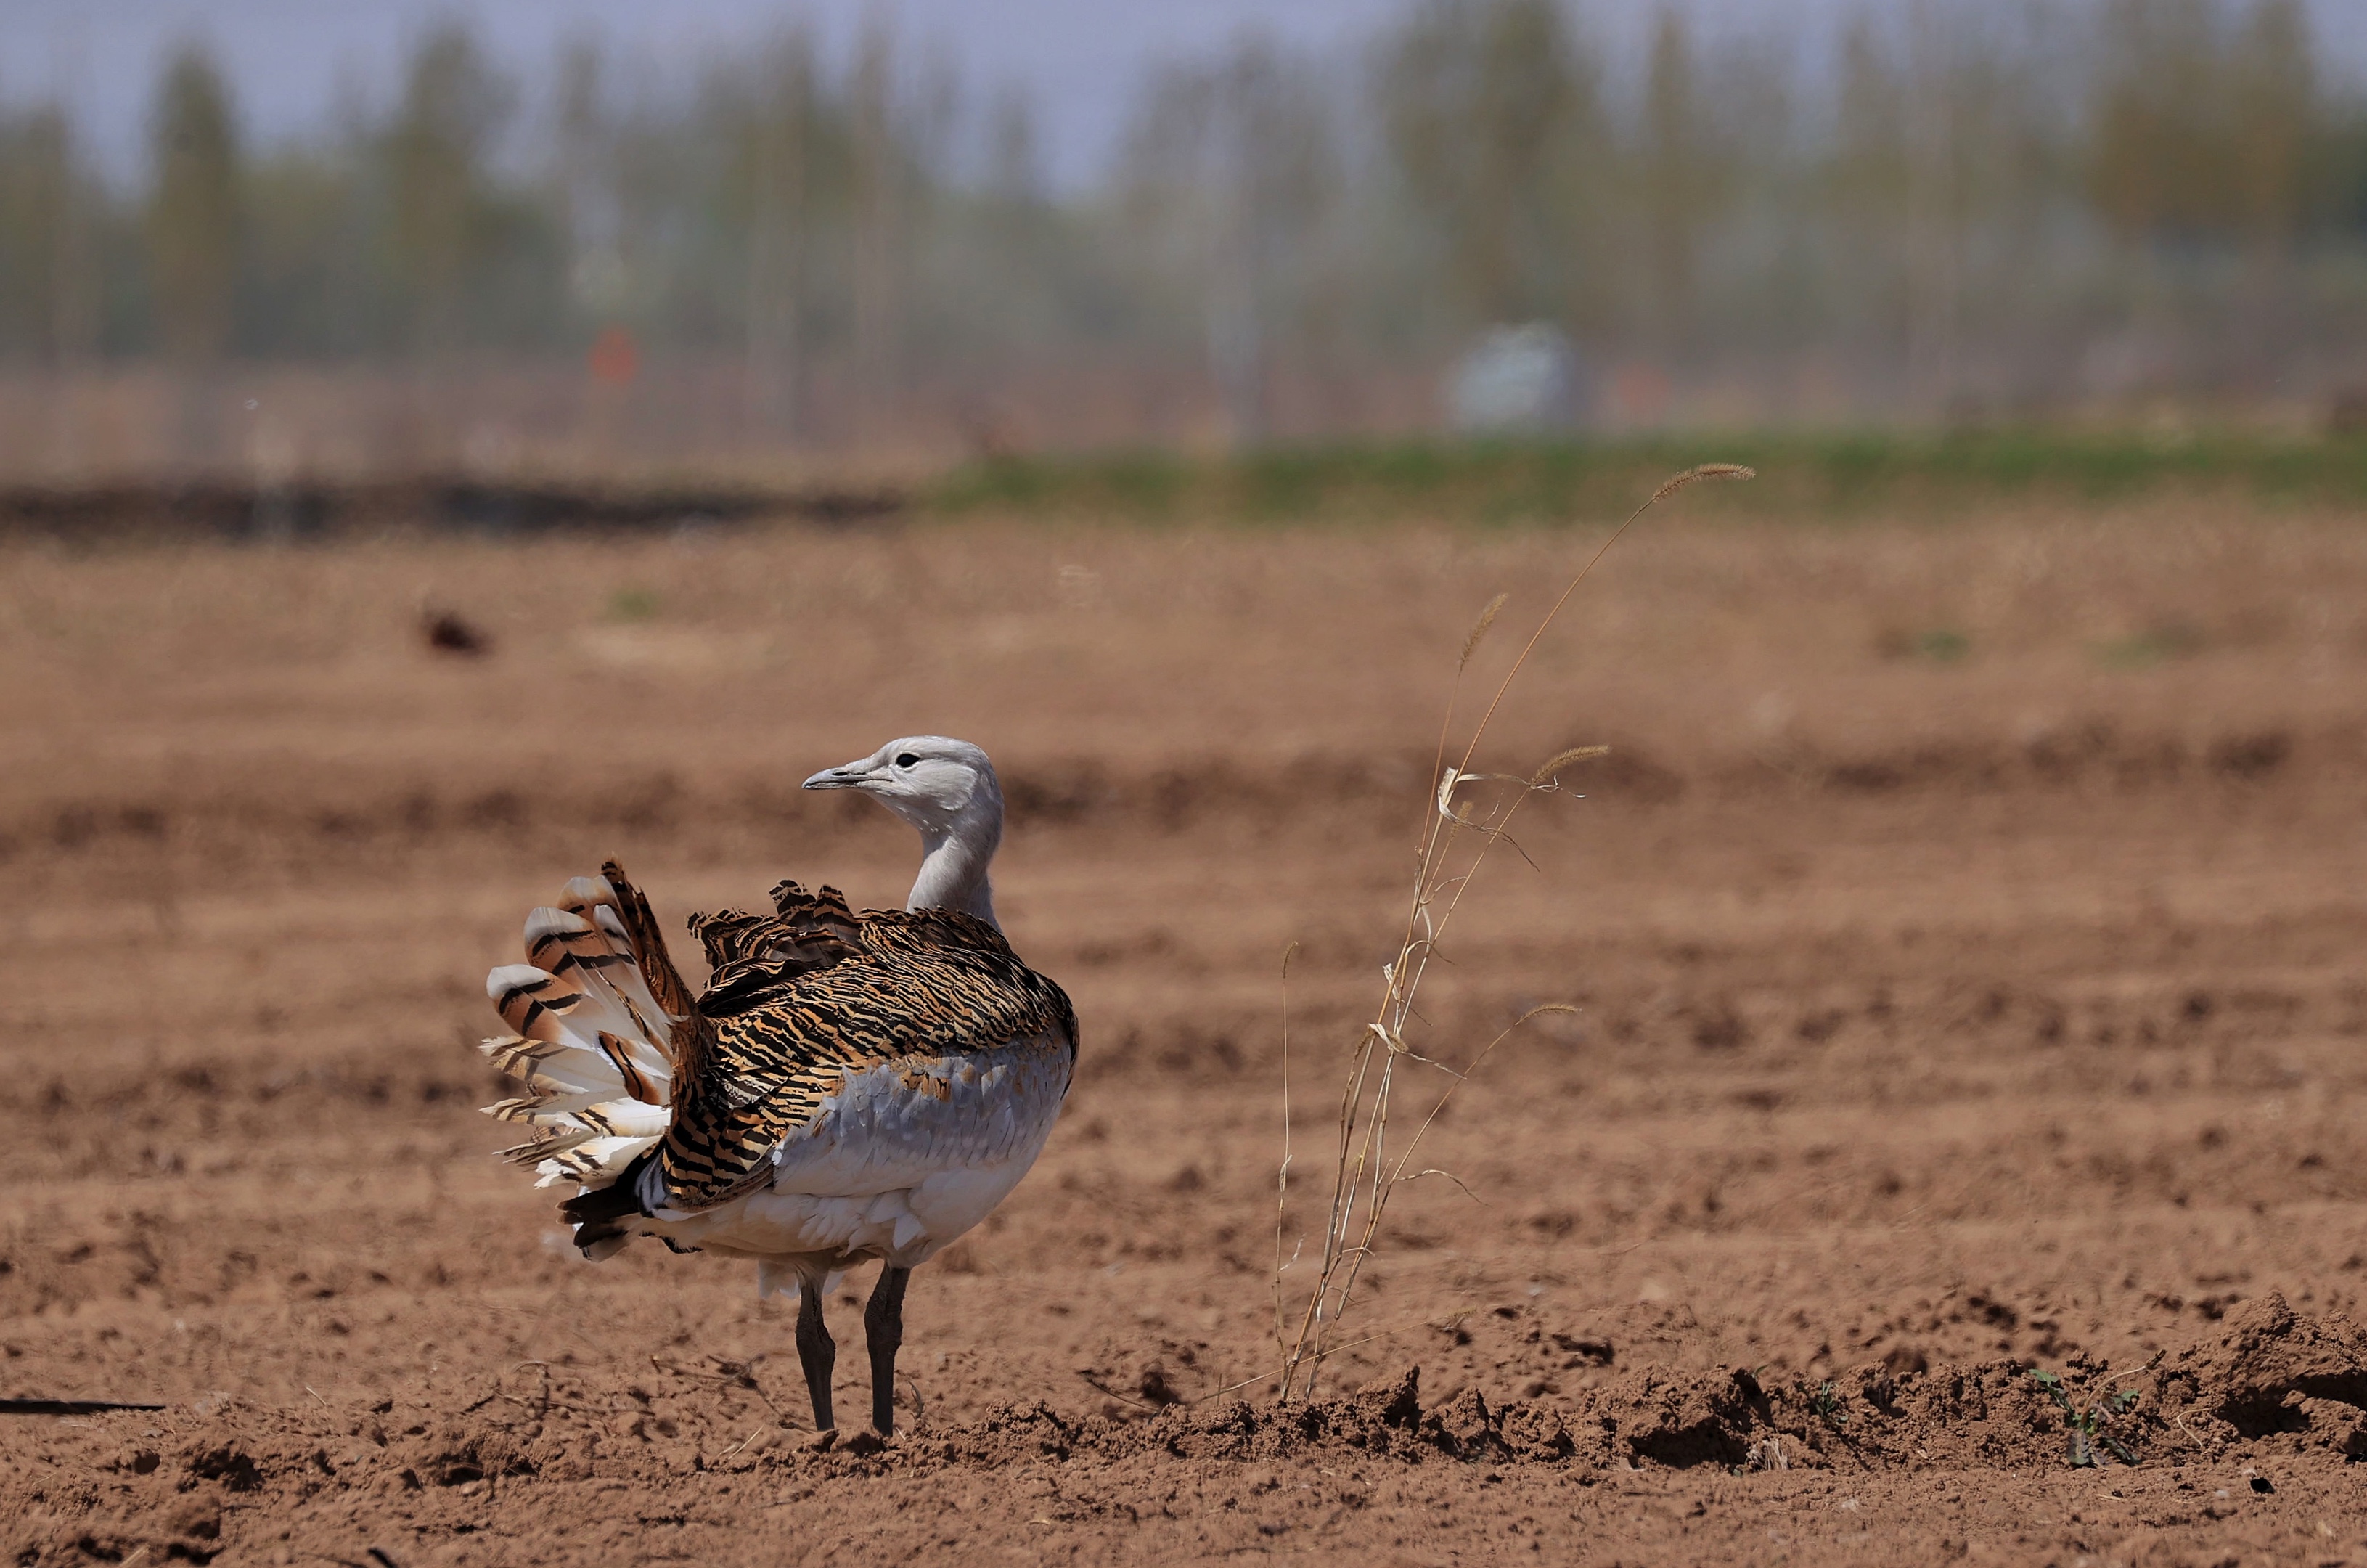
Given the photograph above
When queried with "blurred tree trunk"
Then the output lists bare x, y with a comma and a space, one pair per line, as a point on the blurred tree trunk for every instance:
2156, 163
2273, 118
1234, 181
66, 209
1475, 98
192, 234
436, 155
1675, 183
878, 234
1869, 183
775, 242
1933, 211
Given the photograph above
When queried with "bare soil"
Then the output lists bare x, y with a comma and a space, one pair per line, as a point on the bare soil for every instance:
1967, 929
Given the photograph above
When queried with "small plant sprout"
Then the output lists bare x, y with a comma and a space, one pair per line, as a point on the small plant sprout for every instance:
1461, 824
633, 604
2091, 1430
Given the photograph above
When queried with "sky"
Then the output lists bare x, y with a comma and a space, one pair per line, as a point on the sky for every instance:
296, 64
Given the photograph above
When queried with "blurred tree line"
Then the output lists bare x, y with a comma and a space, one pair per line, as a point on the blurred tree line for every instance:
1965, 206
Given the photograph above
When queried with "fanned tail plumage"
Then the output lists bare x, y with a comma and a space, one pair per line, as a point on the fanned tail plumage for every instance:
597, 1009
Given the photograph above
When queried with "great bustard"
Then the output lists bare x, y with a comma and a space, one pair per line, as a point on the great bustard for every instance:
848, 1085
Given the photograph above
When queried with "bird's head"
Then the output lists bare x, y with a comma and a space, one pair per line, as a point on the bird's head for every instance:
941, 786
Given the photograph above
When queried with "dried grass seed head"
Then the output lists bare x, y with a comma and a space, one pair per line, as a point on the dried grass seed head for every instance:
1562, 759
1706, 471
1479, 628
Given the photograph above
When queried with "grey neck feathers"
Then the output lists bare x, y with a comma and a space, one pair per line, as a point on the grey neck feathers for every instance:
953, 866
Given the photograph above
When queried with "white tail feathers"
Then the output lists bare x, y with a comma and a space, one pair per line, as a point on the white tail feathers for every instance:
589, 1046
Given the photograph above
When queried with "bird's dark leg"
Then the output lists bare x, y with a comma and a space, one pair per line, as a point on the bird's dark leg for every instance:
816, 1351
883, 1331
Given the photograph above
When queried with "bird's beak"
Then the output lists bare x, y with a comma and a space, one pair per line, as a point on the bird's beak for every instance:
851, 777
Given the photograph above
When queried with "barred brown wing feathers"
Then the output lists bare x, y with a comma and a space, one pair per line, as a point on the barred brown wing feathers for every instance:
752, 955
925, 983
823, 910
932, 930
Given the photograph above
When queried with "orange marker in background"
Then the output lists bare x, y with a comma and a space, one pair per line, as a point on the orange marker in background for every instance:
615, 358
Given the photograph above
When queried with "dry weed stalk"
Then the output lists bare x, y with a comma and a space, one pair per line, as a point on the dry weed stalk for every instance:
1455, 840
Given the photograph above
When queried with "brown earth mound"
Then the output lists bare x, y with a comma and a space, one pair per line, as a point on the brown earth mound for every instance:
2270, 1389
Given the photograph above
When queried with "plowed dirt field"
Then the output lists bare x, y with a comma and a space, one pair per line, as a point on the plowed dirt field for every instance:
1969, 925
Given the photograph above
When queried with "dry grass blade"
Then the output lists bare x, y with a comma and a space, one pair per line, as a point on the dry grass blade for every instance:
1281, 1178
1366, 1168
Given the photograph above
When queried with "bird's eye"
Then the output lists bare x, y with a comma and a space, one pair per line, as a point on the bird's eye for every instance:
906, 759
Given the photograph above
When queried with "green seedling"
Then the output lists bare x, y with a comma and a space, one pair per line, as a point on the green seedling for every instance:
2092, 1433
1828, 1406
633, 605
2154, 646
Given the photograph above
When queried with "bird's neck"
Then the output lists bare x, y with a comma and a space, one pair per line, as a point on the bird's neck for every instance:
953, 869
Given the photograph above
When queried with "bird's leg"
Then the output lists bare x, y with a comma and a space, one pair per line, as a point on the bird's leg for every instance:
883, 1331
816, 1351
